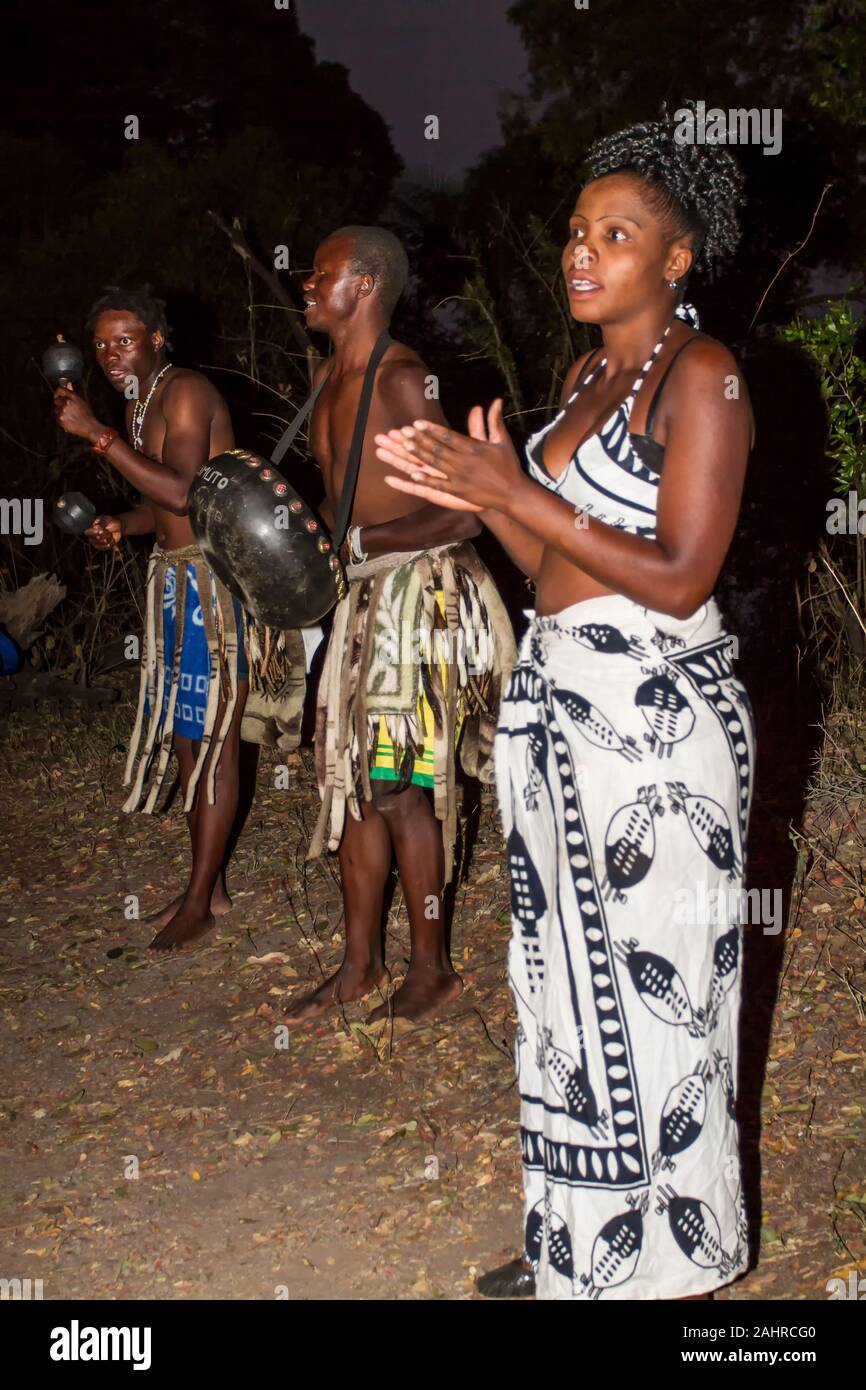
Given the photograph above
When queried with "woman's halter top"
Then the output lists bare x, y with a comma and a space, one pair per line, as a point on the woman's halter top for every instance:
613, 475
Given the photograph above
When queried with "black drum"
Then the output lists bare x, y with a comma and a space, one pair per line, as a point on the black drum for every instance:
263, 541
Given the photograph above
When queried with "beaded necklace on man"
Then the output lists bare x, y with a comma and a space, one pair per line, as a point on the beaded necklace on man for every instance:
139, 411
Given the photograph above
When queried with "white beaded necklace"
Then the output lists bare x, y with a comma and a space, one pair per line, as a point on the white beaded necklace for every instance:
139, 411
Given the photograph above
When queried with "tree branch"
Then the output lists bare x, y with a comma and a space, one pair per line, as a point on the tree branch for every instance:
790, 256
239, 243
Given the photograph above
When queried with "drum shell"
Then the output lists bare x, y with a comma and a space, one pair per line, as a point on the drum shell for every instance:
263, 541
73, 513
63, 362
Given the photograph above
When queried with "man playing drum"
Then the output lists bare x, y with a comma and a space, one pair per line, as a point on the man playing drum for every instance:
419, 648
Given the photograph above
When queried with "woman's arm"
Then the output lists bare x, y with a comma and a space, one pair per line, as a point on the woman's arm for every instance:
524, 548
707, 444
420, 530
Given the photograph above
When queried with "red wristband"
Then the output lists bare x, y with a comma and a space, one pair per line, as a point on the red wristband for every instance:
104, 442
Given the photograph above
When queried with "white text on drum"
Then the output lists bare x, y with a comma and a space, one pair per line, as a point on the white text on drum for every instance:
213, 475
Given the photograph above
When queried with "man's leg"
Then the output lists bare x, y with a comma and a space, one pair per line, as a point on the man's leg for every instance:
220, 902
210, 829
417, 839
365, 863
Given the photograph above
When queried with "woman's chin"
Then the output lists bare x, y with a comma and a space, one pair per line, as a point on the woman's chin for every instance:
585, 310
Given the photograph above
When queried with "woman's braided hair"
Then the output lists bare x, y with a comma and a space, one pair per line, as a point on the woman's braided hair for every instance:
696, 189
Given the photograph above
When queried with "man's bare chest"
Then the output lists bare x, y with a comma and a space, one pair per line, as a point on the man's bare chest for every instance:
146, 437
333, 430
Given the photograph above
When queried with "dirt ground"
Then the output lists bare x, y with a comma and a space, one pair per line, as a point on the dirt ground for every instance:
158, 1142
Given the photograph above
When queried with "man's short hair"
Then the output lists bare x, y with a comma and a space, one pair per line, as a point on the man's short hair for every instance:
139, 301
377, 252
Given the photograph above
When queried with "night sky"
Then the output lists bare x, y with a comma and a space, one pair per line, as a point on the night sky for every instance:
449, 58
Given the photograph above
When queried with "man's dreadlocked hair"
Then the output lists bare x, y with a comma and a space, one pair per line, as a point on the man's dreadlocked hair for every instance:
695, 188
140, 301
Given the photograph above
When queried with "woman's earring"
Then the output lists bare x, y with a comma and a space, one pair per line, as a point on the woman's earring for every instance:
673, 284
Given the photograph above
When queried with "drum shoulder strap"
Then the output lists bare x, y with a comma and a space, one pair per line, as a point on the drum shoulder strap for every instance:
353, 467
350, 482
289, 434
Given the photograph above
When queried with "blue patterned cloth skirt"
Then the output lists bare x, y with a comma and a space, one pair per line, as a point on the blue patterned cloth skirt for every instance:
181, 680
624, 768
195, 659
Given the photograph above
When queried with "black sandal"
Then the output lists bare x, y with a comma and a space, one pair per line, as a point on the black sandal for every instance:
513, 1280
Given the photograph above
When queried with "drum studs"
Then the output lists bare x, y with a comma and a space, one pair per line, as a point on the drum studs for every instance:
252, 461
280, 488
296, 506
334, 562
267, 474
324, 545
312, 525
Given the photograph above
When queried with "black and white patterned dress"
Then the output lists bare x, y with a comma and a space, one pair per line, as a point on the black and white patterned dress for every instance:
624, 764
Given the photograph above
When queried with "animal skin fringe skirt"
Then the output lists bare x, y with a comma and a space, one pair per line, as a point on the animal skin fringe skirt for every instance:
624, 768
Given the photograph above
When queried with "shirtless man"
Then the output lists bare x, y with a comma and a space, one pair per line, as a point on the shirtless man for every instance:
175, 422
358, 276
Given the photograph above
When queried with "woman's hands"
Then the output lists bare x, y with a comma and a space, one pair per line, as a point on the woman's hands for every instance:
476, 473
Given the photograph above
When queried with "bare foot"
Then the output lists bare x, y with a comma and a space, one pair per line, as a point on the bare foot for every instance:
347, 984
220, 904
422, 991
186, 926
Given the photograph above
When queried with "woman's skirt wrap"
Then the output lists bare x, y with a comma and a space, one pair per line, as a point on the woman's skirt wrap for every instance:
624, 767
